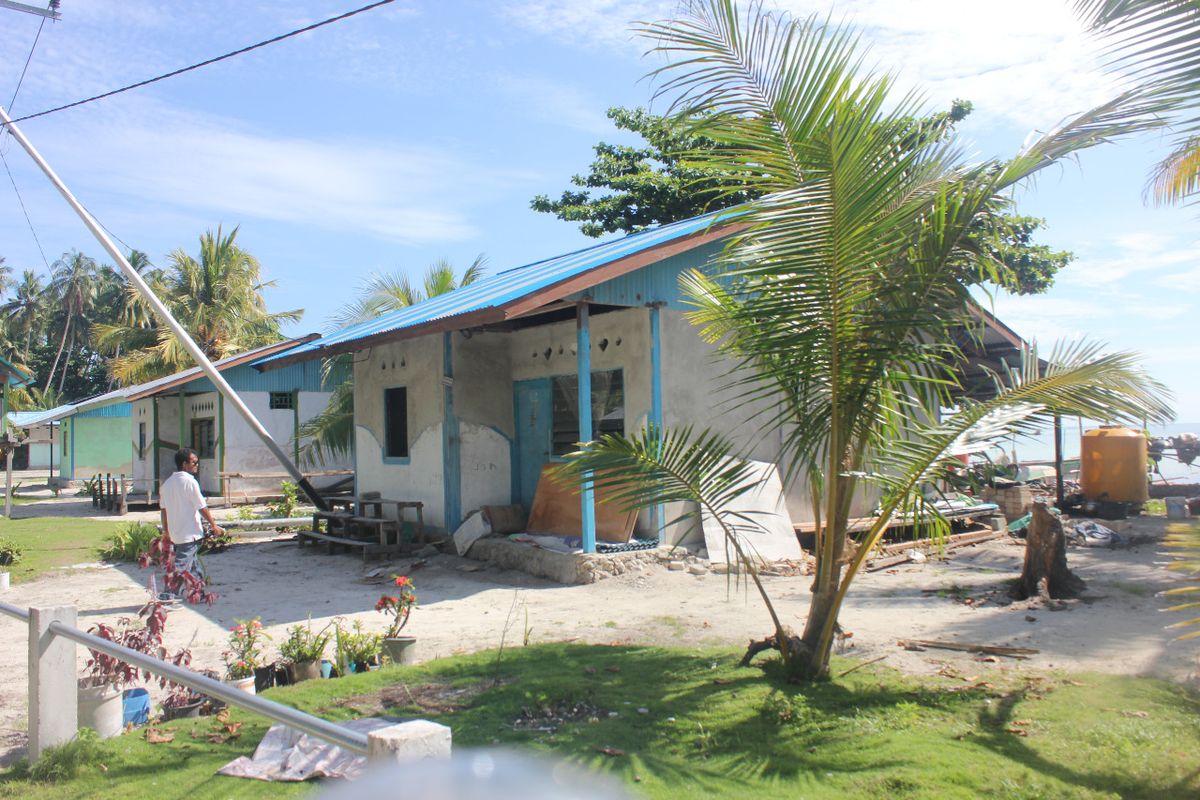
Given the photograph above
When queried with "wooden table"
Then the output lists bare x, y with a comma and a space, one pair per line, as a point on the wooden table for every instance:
377, 504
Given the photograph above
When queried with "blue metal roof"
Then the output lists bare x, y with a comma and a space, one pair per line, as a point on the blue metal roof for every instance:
502, 288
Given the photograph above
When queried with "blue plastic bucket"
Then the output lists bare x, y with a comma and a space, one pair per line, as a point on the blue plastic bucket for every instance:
326, 668
135, 707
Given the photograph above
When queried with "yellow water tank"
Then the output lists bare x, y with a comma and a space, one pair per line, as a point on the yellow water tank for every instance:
1113, 465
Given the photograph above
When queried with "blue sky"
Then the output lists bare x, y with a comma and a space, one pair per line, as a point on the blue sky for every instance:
422, 129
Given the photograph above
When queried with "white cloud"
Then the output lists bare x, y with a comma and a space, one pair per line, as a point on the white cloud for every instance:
206, 166
1156, 258
557, 103
1024, 62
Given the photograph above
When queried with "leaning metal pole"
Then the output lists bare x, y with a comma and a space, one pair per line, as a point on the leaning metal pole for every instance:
165, 315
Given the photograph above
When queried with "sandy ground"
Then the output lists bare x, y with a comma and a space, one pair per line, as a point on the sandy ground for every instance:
1116, 628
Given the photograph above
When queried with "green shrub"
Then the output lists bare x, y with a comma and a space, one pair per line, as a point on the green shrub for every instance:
10, 553
304, 645
286, 507
63, 762
129, 542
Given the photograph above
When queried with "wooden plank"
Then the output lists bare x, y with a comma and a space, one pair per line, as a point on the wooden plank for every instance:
967, 647
556, 509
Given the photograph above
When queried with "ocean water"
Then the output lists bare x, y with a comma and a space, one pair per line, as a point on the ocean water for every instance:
1041, 447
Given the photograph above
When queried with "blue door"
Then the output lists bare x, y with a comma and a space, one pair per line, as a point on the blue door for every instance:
531, 404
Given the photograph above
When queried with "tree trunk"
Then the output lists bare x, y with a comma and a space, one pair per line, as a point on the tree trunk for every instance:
1045, 573
58, 355
62, 380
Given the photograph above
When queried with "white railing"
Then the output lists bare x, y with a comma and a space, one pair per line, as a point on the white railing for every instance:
53, 709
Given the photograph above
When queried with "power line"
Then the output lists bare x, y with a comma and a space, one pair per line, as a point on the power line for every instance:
243, 50
28, 221
25, 69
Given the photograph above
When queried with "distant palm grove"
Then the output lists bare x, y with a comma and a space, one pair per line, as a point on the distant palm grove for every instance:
84, 329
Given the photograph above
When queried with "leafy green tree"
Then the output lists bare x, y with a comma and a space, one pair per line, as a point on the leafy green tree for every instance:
331, 433
217, 297
1157, 43
628, 189
842, 298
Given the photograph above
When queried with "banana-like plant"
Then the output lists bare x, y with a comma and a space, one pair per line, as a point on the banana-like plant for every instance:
842, 297
1183, 540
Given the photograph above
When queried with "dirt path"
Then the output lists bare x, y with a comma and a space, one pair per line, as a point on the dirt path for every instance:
1119, 629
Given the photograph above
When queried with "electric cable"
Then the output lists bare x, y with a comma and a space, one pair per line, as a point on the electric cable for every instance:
208, 62
25, 211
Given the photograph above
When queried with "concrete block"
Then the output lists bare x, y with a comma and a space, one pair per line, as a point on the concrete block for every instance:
53, 685
414, 740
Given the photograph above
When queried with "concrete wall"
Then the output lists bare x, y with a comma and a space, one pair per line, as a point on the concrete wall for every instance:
416, 365
97, 445
483, 405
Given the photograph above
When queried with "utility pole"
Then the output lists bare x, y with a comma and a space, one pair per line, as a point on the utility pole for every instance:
165, 316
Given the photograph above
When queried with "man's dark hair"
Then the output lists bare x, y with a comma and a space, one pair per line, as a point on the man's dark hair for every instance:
182, 455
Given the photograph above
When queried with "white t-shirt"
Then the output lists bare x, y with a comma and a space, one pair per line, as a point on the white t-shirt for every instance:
180, 497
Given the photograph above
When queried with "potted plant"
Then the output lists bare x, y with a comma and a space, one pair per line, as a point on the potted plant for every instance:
245, 653
399, 649
100, 698
10, 554
357, 650
303, 651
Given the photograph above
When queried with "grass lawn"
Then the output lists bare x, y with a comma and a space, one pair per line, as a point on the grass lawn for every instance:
685, 723
49, 543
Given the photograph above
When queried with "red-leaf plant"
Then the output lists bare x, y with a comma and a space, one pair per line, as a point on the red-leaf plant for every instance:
145, 637
180, 583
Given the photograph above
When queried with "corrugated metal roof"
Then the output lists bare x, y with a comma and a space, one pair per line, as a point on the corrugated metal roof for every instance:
28, 419
138, 391
503, 290
248, 357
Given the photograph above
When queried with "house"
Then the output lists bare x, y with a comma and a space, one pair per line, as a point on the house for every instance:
37, 451
134, 431
461, 400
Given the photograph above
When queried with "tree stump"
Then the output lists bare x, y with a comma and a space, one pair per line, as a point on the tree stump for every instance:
1045, 573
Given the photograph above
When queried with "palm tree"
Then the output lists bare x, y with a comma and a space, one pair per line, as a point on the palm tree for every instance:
24, 312
842, 297
73, 285
1157, 42
330, 434
216, 297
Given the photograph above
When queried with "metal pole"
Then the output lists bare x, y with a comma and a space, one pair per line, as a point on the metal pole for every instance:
1058, 461
165, 315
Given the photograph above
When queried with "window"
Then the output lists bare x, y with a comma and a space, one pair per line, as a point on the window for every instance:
141, 440
608, 408
64, 442
395, 422
282, 400
204, 440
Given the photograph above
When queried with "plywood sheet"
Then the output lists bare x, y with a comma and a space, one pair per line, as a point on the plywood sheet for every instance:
770, 537
556, 509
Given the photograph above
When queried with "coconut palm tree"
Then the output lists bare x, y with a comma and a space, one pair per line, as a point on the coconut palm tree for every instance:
330, 434
24, 313
73, 286
841, 298
1157, 42
217, 297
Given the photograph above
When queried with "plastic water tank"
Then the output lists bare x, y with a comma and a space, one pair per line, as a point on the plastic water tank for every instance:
1113, 465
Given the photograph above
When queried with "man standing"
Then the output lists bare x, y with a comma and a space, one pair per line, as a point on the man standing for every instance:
182, 506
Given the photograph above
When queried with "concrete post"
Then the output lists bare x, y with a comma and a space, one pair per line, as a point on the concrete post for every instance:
409, 741
53, 686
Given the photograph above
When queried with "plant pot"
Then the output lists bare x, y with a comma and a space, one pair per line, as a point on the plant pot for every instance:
101, 710
245, 684
326, 668
135, 707
189, 709
264, 678
4, 581
283, 675
305, 671
401, 649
